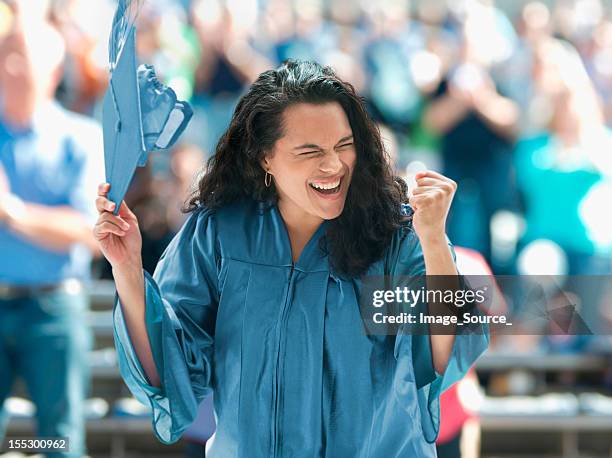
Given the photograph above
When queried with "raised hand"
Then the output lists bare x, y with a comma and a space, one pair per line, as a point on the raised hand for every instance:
117, 235
431, 201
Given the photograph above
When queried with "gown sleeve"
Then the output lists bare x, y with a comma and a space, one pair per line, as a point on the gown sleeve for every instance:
180, 314
470, 342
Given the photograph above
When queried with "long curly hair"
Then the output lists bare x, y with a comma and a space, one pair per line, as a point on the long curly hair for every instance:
371, 215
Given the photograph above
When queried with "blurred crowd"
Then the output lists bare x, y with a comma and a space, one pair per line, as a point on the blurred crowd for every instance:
513, 101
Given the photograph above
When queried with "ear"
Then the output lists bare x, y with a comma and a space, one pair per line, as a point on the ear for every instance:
265, 164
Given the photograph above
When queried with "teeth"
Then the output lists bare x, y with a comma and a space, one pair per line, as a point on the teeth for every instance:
333, 185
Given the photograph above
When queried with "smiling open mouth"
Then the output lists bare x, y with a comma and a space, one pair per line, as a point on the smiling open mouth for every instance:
326, 188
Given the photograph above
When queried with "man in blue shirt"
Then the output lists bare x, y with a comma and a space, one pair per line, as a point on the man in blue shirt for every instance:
49, 169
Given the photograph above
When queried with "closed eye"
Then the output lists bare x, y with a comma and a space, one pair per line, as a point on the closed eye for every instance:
307, 153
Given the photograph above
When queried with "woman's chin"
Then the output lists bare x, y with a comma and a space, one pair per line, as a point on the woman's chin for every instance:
328, 206
331, 211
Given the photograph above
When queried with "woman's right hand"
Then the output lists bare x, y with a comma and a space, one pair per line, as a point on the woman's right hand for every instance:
120, 241
117, 235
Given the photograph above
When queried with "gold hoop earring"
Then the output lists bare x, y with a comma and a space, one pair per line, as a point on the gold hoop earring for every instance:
268, 179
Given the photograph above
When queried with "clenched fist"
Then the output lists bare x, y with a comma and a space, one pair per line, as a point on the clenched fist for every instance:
431, 201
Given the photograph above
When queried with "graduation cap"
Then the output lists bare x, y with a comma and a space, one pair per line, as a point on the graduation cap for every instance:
140, 114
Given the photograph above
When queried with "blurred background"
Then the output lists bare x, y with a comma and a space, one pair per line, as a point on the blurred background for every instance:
511, 99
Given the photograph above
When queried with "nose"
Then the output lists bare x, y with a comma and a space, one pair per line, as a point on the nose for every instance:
330, 163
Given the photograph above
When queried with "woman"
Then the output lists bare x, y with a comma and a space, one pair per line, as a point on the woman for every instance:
256, 297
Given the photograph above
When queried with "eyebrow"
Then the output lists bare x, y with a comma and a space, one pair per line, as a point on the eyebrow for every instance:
313, 146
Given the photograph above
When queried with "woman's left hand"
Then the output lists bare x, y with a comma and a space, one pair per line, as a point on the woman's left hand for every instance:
431, 200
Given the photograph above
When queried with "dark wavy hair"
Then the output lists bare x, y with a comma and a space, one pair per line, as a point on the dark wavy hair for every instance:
371, 215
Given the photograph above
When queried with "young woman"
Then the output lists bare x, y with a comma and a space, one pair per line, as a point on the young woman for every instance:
256, 299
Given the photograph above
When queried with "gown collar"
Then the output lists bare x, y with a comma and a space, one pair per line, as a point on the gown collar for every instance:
313, 257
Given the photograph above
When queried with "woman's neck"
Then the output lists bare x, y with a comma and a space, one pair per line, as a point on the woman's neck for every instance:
301, 226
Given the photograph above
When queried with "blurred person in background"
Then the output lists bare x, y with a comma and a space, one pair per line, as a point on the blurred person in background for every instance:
156, 194
574, 152
166, 41
598, 62
534, 27
345, 18
48, 161
575, 21
186, 162
428, 66
148, 195
228, 61
565, 178
394, 38
305, 32
477, 126
460, 431
84, 26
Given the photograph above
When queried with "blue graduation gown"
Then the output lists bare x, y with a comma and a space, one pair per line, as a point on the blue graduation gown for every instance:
282, 346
